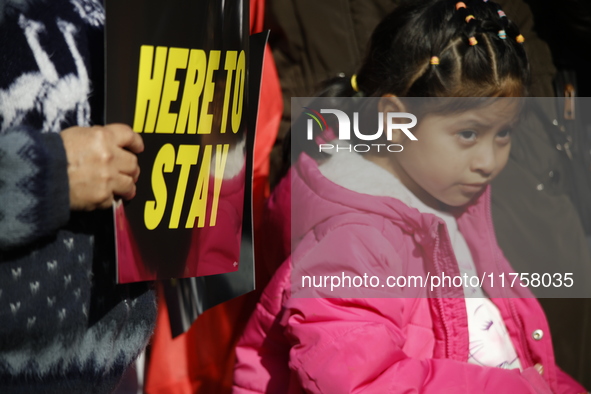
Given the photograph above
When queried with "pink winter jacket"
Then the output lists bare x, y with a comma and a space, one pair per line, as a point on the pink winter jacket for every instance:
389, 344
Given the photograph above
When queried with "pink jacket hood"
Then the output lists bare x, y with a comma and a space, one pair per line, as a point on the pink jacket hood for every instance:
322, 200
319, 206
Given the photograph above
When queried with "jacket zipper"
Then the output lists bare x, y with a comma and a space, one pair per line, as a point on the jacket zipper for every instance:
438, 297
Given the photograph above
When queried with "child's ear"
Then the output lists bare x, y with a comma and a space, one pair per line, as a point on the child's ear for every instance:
391, 103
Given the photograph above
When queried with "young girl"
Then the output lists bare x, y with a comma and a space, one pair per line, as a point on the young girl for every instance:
422, 211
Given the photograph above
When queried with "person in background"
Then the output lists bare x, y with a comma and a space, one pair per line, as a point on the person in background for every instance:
66, 326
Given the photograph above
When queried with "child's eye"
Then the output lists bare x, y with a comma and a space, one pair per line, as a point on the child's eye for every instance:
504, 134
468, 135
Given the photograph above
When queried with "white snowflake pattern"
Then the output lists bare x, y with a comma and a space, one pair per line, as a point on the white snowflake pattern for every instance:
91, 11
45, 91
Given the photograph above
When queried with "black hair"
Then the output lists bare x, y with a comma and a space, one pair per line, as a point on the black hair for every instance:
402, 45
477, 48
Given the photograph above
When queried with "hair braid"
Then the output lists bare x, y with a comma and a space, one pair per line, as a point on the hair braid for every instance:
475, 46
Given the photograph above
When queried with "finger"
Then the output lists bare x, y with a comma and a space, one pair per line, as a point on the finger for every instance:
136, 143
125, 137
106, 203
126, 163
124, 186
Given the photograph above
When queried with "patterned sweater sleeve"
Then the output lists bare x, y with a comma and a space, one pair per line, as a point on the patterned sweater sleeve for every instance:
34, 191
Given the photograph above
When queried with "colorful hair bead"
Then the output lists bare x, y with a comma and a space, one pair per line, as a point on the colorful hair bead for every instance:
459, 5
469, 18
502, 34
434, 60
472, 40
520, 39
502, 14
354, 83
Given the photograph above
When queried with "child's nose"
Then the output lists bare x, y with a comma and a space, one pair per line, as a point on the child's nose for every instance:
484, 160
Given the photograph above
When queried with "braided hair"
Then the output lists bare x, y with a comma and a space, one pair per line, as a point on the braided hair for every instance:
445, 48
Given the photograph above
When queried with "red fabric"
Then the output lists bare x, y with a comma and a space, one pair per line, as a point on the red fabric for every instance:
269, 116
202, 359
270, 109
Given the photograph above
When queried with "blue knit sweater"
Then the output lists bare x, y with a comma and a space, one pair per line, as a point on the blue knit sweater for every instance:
65, 326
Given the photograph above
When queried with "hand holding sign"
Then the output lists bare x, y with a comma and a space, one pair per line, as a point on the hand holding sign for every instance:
185, 95
101, 164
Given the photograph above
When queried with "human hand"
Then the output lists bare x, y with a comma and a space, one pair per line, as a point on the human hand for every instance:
101, 164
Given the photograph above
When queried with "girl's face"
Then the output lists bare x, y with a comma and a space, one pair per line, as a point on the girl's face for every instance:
456, 155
